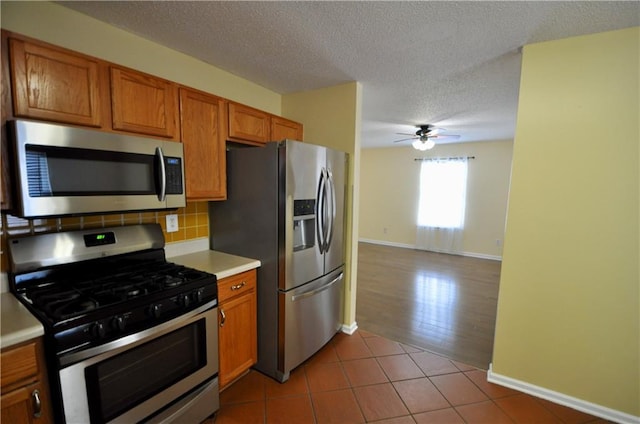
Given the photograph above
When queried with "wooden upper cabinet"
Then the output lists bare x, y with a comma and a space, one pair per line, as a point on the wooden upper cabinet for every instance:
282, 128
203, 124
248, 124
55, 85
6, 113
144, 104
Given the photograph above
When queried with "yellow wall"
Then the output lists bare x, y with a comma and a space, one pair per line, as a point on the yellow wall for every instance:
67, 28
63, 27
332, 118
389, 188
568, 309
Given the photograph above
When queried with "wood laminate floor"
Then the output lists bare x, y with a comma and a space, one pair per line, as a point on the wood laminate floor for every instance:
442, 303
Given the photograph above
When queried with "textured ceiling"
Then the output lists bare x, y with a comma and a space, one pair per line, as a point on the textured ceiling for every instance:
452, 64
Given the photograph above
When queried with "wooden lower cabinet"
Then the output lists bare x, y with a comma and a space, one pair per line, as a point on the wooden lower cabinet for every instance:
25, 394
237, 321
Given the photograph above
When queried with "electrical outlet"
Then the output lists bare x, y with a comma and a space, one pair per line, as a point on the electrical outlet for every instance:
498, 242
172, 223
384, 230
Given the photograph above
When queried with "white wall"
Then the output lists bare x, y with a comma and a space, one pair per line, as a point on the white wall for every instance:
389, 187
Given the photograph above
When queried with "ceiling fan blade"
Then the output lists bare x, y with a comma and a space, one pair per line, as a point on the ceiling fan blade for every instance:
413, 134
405, 139
445, 136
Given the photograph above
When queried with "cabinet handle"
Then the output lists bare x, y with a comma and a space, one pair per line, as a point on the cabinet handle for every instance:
37, 403
224, 318
239, 286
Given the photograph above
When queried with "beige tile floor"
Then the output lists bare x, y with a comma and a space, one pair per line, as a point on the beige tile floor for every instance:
367, 378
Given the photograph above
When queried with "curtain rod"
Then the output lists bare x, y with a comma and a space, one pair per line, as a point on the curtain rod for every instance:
450, 158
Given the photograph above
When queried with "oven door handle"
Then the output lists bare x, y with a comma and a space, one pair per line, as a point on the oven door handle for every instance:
114, 347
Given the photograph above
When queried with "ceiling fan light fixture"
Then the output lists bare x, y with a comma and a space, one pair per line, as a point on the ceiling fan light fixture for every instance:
423, 145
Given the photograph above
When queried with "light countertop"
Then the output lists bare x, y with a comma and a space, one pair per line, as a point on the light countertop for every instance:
221, 264
18, 325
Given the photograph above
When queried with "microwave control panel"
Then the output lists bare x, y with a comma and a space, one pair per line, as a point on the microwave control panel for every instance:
173, 168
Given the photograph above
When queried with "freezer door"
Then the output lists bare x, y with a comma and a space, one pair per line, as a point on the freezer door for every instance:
312, 316
304, 260
336, 171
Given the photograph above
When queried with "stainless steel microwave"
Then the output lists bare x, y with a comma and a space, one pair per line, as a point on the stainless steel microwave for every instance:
63, 170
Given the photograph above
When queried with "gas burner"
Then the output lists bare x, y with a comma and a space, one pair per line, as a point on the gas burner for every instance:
73, 307
170, 281
129, 291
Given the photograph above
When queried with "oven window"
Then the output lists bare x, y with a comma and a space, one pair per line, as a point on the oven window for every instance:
117, 384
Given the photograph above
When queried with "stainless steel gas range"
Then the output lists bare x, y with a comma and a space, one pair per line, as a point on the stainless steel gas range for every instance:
129, 336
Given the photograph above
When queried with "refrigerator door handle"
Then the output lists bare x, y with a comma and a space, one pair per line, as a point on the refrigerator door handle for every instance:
332, 208
319, 289
320, 212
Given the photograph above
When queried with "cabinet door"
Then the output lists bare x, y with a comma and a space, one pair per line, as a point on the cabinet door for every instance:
55, 85
25, 405
6, 113
144, 104
248, 124
201, 126
282, 128
237, 336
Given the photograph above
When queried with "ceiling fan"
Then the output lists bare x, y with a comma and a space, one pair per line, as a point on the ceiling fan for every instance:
425, 136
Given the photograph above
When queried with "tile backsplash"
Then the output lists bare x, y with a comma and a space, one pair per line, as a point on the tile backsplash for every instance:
193, 222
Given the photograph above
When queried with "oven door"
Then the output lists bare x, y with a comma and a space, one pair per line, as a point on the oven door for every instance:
166, 373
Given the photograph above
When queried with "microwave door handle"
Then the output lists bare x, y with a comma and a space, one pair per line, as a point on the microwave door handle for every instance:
163, 175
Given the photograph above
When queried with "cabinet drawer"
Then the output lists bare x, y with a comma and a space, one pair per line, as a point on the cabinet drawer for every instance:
19, 364
235, 285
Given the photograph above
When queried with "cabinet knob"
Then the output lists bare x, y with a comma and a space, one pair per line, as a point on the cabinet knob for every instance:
239, 286
37, 403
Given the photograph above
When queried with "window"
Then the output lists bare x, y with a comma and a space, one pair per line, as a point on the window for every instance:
443, 187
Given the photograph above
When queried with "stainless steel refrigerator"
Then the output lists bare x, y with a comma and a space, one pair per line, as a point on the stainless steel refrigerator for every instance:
285, 207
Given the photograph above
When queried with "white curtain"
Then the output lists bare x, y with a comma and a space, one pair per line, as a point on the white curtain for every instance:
441, 205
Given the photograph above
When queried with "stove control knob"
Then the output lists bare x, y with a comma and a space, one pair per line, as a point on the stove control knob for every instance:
98, 330
118, 322
197, 295
184, 300
155, 310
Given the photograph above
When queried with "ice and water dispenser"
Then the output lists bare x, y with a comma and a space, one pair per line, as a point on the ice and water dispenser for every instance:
304, 224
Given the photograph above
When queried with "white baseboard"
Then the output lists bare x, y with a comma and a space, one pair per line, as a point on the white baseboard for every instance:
349, 329
413, 246
388, 243
562, 399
